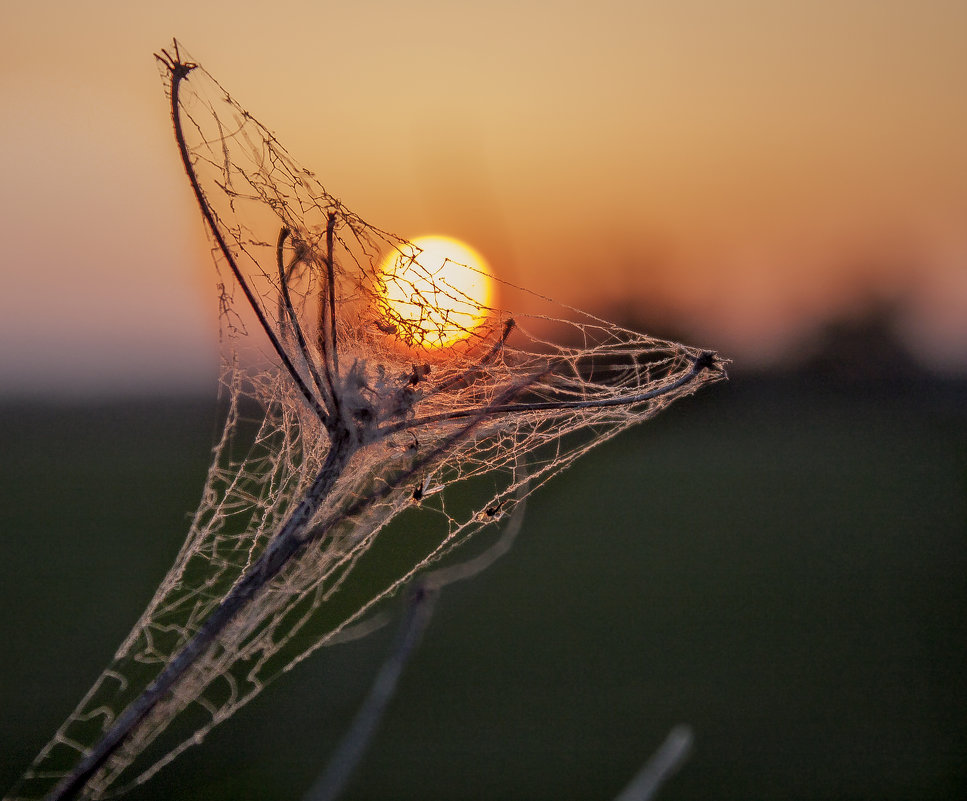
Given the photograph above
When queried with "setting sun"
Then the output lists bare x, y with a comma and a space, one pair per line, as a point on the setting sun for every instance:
435, 291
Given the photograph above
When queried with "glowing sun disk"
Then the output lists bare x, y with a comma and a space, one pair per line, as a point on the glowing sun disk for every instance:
435, 291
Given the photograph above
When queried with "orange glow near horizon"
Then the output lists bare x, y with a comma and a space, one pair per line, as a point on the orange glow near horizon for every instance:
440, 289
778, 166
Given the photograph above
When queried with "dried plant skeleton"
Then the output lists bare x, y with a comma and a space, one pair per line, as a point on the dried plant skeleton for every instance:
359, 423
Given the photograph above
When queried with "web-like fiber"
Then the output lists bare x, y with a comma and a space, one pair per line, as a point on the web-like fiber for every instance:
443, 442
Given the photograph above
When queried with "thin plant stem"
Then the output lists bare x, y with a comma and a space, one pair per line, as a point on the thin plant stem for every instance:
326, 336
179, 71
331, 275
286, 303
488, 357
416, 618
706, 361
355, 742
661, 766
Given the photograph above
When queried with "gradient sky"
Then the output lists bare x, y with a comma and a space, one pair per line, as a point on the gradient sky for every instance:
738, 170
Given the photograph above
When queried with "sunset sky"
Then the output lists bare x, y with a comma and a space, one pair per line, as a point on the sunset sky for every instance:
742, 171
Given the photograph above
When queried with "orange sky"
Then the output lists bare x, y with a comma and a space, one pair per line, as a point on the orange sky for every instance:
741, 170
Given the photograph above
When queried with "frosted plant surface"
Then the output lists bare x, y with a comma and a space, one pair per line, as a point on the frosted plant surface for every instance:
355, 454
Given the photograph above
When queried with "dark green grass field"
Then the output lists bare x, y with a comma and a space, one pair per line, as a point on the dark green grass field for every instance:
781, 565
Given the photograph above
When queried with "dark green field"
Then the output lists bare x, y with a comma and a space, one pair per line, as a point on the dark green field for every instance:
781, 565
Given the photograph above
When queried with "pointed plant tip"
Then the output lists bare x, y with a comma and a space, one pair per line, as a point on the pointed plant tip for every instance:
710, 360
178, 68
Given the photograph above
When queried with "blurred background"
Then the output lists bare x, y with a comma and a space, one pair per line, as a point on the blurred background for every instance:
778, 562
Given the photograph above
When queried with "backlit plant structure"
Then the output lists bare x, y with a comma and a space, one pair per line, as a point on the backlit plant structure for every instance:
389, 389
